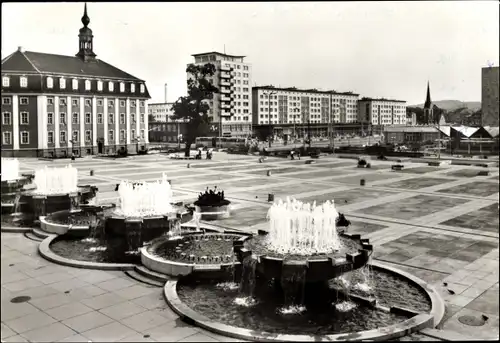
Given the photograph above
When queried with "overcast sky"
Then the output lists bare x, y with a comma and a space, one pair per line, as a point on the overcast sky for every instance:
376, 49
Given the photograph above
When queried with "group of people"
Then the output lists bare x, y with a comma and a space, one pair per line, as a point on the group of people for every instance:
208, 154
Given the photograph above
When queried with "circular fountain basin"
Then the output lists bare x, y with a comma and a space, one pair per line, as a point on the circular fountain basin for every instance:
405, 304
354, 254
192, 252
213, 212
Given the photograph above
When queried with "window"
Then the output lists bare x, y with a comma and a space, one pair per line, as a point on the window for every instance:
62, 118
88, 136
111, 103
99, 86
122, 103
132, 103
122, 118
24, 81
74, 102
99, 102
62, 83
50, 101
87, 85
122, 87
6, 118
62, 137
132, 134
62, 102
75, 84
24, 101
7, 137
50, 82
142, 134
99, 118
5, 81
24, 118
25, 137
111, 119
50, 118
245, 67
122, 135
88, 102
6, 101
132, 117
75, 118
111, 135
142, 117
75, 136
142, 88
132, 88
50, 137
141, 104
88, 118
111, 86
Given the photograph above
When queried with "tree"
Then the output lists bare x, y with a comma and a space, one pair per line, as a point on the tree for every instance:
193, 107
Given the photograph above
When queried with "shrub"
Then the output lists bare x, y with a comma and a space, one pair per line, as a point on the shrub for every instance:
212, 198
362, 162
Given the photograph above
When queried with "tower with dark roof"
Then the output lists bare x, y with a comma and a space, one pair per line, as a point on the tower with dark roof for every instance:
428, 113
85, 39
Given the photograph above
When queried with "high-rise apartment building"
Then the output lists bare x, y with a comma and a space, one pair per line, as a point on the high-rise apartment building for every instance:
382, 111
489, 96
231, 107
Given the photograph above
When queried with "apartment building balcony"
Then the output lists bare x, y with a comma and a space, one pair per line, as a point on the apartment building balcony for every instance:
224, 75
225, 106
225, 83
225, 98
225, 91
224, 68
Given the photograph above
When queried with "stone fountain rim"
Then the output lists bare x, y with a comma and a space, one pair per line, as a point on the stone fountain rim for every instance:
413, 324
175, 268
80, 190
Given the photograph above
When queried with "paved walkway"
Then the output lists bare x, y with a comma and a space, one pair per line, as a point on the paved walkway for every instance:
440, 224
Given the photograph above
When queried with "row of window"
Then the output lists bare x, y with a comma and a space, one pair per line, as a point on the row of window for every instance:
74, 102
25, 136
23, 81
237, 66
24, 118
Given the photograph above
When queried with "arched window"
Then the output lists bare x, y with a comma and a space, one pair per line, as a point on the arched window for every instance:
122, 87
111, 86
50, 82
87, 85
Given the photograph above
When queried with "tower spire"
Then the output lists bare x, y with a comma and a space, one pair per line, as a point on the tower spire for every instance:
428, 110
85, 39
428, 102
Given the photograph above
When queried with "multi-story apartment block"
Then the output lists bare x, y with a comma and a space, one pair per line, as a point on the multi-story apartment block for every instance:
54, 105
489, 96
161, 112
382, 111
282, 107
231, 107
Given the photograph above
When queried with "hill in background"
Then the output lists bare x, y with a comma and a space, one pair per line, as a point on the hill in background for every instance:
452, 105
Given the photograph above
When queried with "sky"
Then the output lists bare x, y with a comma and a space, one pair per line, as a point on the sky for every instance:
376, 49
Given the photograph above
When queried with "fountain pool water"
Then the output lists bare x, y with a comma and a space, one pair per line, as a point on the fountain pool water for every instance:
10, 169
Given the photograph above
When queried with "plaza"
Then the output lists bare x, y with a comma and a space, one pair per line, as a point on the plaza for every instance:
437, 223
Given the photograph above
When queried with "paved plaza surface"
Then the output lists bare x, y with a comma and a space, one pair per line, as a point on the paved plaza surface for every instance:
440, 224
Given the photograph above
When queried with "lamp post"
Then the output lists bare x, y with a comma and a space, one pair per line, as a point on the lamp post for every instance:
268, 94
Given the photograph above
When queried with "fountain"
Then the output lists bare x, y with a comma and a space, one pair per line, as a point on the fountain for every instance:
12, 183
115, 234
52, 190
304, 279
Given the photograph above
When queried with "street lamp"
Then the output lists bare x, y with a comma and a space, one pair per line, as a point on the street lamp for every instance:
268, 94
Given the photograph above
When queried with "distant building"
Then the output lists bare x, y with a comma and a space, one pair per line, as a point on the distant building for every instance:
161, 112
382, 111
412, 134
232, 106
290, 111
489, 96
411, 119
54, 105
428, 108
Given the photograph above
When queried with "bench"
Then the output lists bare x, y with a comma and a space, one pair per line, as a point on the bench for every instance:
397, 167
434, 164
310, 161
483, 173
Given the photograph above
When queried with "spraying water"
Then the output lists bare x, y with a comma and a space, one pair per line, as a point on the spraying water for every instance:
10, 169
56, 180
303, 229
145, 199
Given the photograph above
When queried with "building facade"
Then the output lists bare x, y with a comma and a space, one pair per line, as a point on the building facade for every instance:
161, 112
489, 96
382, 111
293, 111
231, 107
54, 105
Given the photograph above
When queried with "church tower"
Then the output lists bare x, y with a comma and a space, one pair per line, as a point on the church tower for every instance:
428, 113
85, 38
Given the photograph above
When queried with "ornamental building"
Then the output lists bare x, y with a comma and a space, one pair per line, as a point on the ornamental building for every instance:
54, 105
